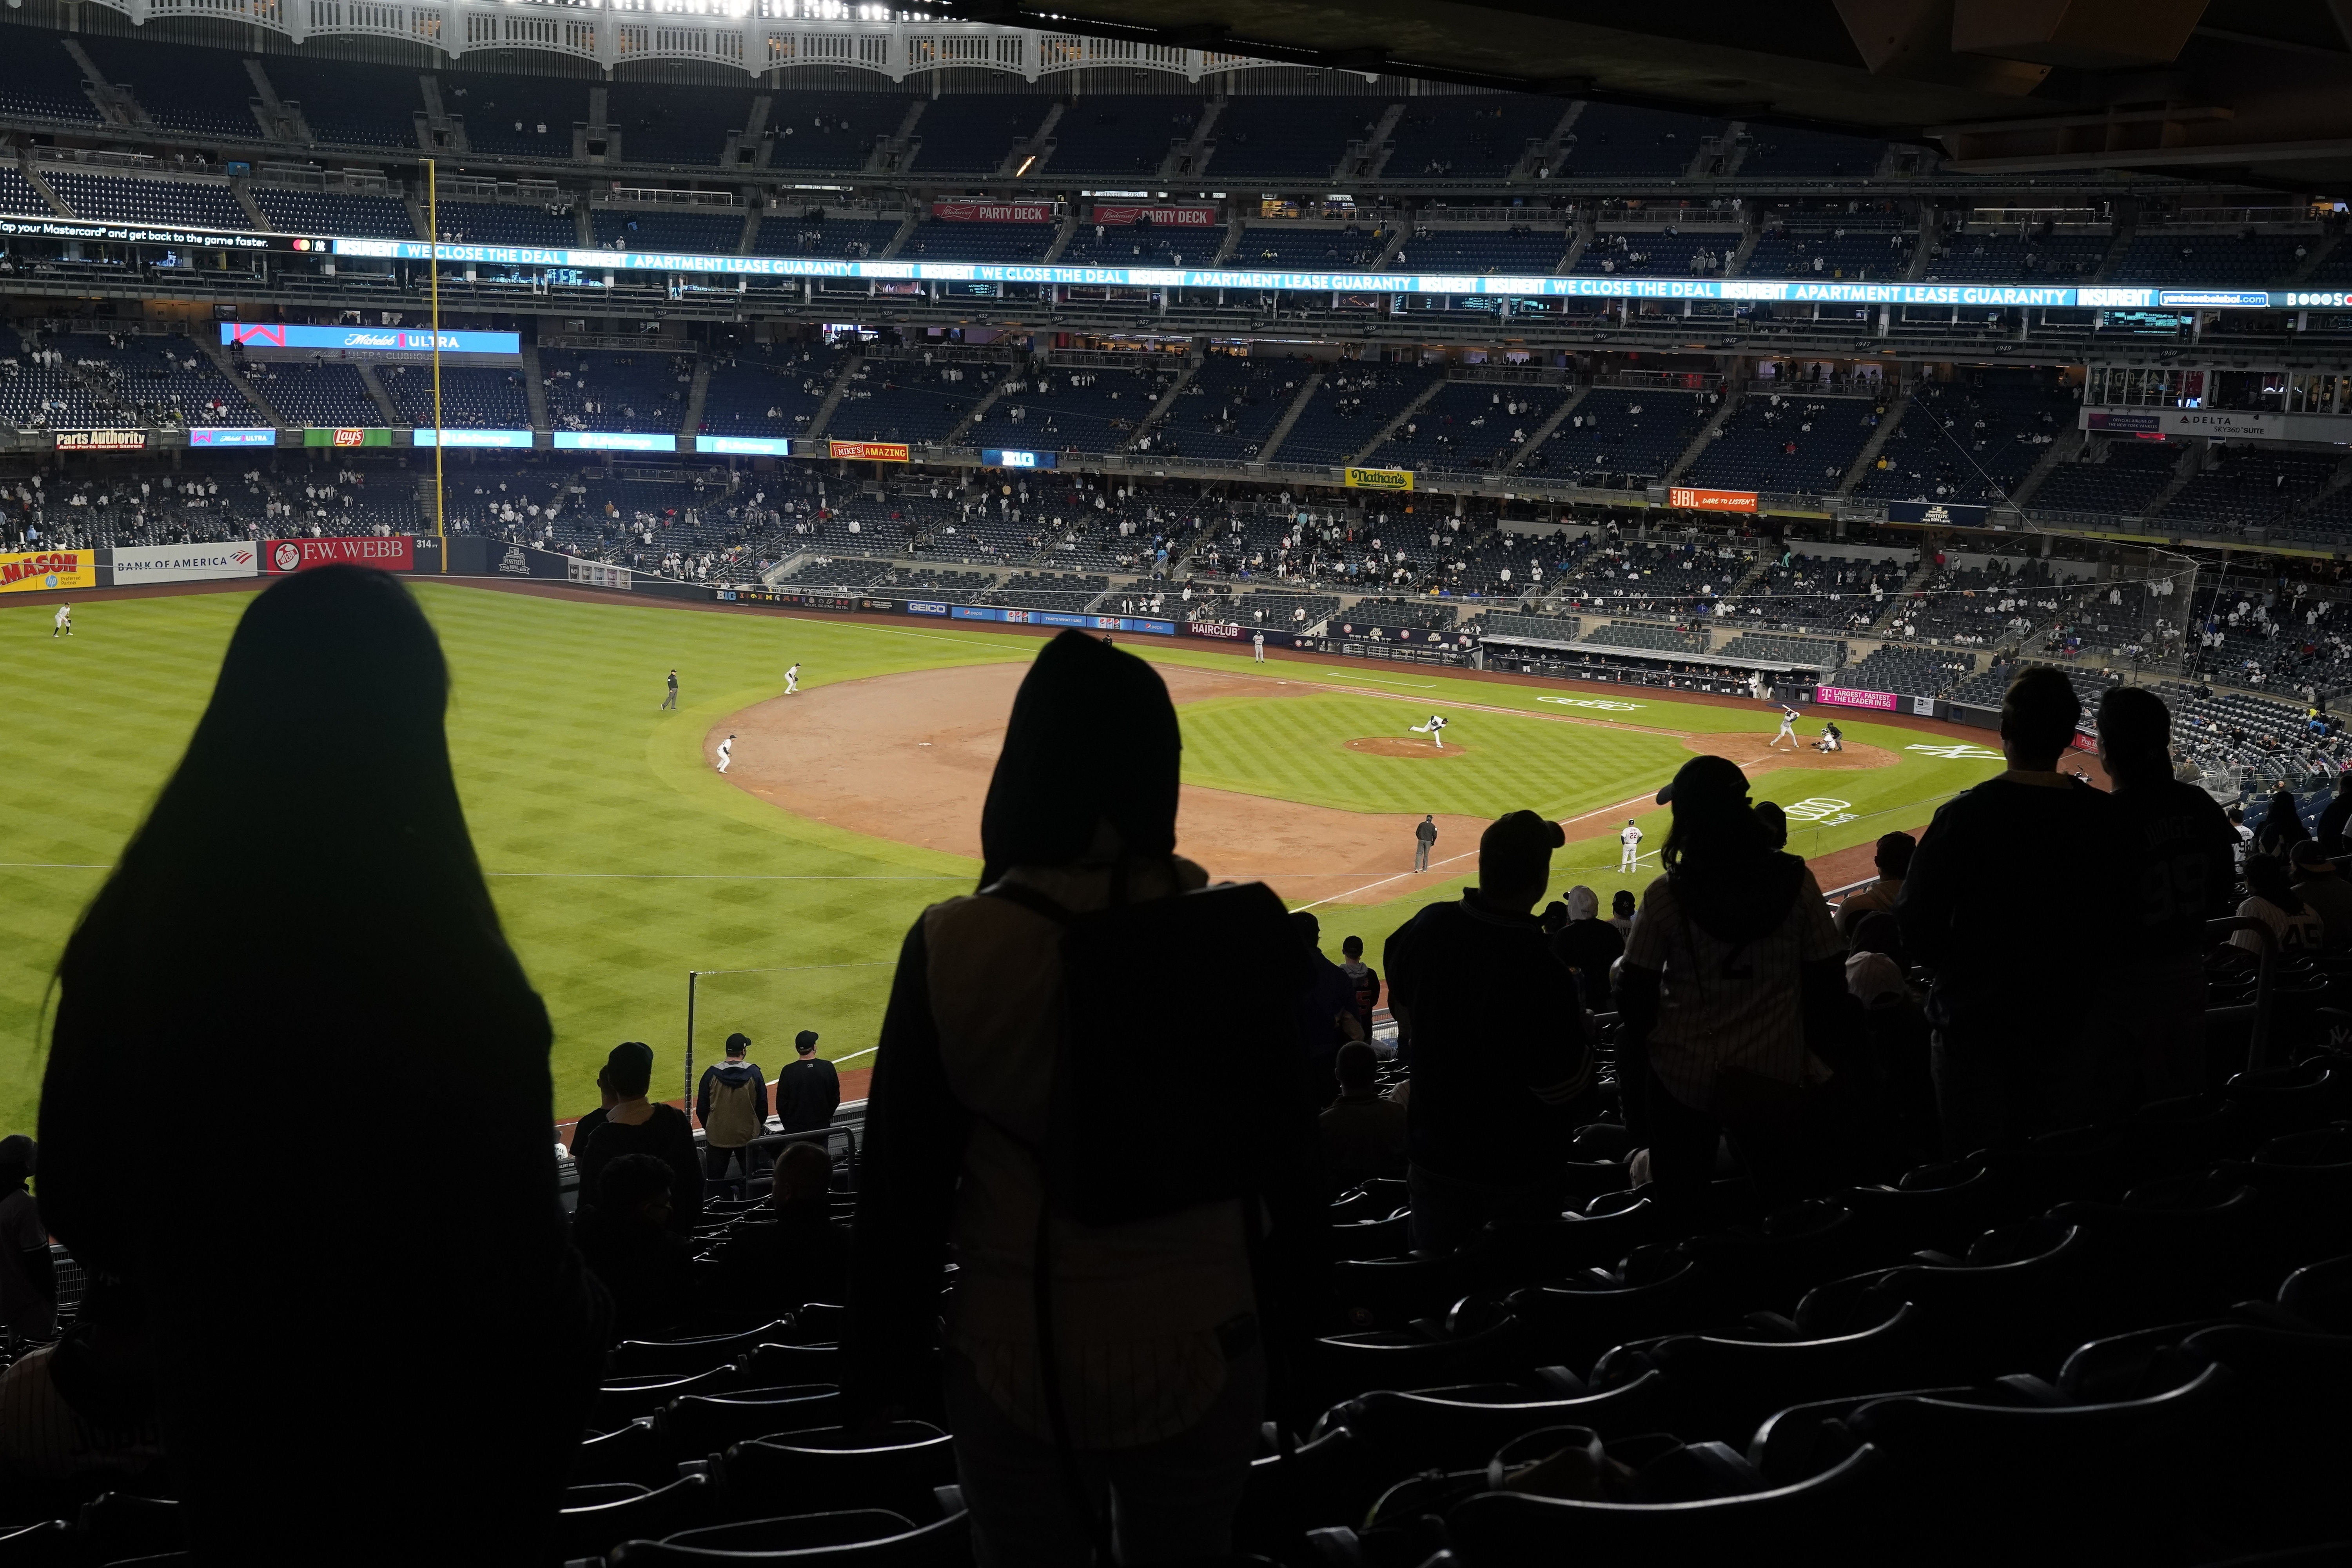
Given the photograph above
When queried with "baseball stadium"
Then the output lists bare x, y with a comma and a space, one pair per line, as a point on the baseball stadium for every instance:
1423, 786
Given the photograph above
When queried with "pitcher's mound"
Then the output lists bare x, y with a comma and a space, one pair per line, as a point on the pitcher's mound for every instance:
1400, 746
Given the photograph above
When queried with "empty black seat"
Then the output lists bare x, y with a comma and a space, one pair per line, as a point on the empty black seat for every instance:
894, 1466
623, 1399
1723, 1387
635, 1357
1500, 1527
700, 1425
591, 1525
857, 1538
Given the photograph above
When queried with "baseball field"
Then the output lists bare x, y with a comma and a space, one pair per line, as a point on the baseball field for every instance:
620, 859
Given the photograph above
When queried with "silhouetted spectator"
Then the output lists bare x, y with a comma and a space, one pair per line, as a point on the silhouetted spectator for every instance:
1363, 1134
28, 1276
1875, 970
629, 1241
2298, 930
1327, 1013
780, 1258
1622, 906
1731, 969
2282, 828
1588, 945
1161, 1328
84, 1408
2334, 832
731, 1103
1893, 857
479, 1325
2179, 854
1363, 978
1502, 1069
1775, 823
636, 1125
2012, 901
2320, 885
808, 1091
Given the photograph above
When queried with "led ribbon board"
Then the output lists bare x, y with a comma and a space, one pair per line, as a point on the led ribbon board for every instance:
1006, 457
609, 441
1759, 290
365, 339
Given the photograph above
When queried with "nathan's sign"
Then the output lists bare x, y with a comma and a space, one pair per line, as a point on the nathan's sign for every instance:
36, 571
1691, 499
395, 553
993, 212
1380, 479
870, 451
102, 440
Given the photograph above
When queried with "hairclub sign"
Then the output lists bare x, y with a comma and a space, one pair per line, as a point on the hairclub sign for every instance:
396, 553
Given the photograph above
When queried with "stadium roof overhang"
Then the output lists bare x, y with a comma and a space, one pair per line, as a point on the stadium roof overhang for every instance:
2258, 90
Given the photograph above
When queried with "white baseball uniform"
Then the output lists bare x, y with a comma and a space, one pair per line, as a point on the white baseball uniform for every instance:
792, 681
1631, 841
726, 753
1434, 730
1788, 727
1257, 647
64, 623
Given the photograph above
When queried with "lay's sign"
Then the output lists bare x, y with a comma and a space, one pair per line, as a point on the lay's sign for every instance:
35, 572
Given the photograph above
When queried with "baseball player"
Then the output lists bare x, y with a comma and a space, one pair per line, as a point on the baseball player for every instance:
792, 681
1788, 729
1423, 837
1434, 730
670, 702
63, 626
726, 753
1257, 647
1629, 855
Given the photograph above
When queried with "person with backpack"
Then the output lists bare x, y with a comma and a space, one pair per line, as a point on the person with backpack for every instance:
731, 1103
1019, 1113
808, 1091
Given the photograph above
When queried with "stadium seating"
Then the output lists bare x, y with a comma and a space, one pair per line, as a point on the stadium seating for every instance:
1469, 427
1806, 651
327, 396
1971, 441
2248, 486
1230, 408
38, 82
1979, 606
687, 126
163, 380
1612, 140
369, 107
2207, 259
2120, 477
1480, 137
1786, 441
1349, 410
1319, 247
1864, 252
937, 240
472, 396
599, 390
818, 235
1141, 245
1276, 138
1908, 672
1636, 433
1516, 251
696, 232
516, 116
832, 130
1127, 134
486, 222
2016, 258
143, 200
971, 132
1783, 153
200, 92
765, 392
334, 213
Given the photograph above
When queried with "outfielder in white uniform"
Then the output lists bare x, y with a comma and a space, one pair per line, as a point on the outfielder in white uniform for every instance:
1630, 856
792, 681
1434, 730
1257, 647
63, 627
726, 753
1788, 729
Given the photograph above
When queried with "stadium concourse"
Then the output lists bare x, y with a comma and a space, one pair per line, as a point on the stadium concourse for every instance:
1420, 813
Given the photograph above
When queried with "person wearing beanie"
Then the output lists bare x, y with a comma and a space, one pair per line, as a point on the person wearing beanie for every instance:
1502, 1071
808, 1091
1733, 943
636, 1125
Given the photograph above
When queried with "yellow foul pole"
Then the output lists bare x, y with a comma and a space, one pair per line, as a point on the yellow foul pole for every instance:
433, 222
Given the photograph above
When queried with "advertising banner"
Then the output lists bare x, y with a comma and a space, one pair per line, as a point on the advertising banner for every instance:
612, 441
1187, 216
519, 440
242, 435
184, 563
347, 437
365, 339
870, 451
2246, 425
993, 212
1691, 499
102, 440
33, 572
745, 446
1380, 479
596, 574
1943, 514
395, 553
1006, 457
1054, 618
1847, 696
1225, 631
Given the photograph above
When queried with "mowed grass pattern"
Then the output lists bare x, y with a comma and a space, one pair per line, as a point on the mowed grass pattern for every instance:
1296, 748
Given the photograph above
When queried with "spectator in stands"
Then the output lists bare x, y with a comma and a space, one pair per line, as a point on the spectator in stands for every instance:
2178, 852
2296, 928
735, 1093
636, 1125
2282, 828
1588, 945
627, 1239
1727, 989
1875, 967
1327, 1012
1364, 978
809, 1090
2319, 884
2336, 818
84, 1408
2011, 974
28, 1276
333, 688
1775, 823
1163, 1331
793, 1252
1363, 1135
1893, 857
1620, 912
1502, 1069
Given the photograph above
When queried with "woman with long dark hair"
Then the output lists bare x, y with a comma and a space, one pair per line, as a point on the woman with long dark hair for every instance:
1731, 980
366, 1300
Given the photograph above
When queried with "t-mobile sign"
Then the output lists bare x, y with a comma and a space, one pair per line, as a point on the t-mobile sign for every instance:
1847, 696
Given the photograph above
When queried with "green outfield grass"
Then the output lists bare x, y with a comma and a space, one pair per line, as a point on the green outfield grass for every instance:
619, 860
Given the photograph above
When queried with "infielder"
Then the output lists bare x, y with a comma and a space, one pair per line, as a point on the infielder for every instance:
670, 702
63, 626
1423, 837
726, 753
792, 681
1788, 729
1630, 856
1257, 647
1434, 730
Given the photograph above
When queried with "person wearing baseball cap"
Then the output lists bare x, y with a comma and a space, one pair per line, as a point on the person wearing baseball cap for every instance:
1733, 943
1502, 1068
809, 1090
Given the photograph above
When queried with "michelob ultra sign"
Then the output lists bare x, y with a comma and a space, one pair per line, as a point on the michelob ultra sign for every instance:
1380, 479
